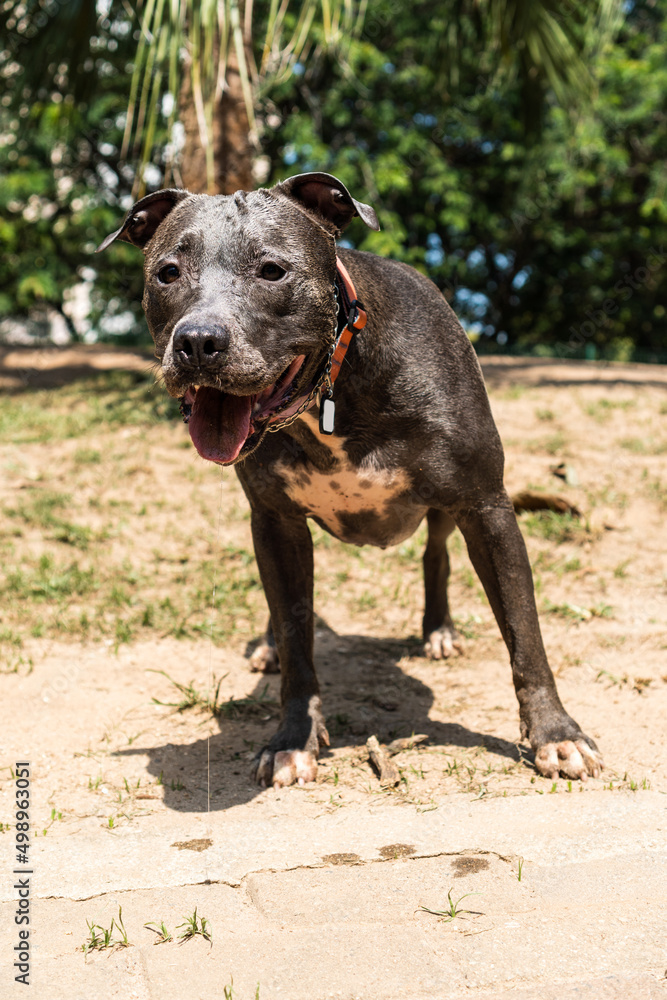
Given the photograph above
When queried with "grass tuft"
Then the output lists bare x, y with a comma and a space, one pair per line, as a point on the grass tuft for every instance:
163, 935
553, 527
194, 926
453, 908
100, 938
234, 708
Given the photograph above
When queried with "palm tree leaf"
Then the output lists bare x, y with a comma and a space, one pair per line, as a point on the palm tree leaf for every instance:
208, 31
239, 45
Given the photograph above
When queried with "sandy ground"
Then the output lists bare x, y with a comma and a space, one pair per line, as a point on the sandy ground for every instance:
127, 571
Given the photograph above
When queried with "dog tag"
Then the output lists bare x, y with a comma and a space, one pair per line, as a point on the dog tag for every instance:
327, 415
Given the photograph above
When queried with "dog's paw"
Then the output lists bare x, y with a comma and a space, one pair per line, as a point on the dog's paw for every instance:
264, 660
443, 643
570, 758
285, 767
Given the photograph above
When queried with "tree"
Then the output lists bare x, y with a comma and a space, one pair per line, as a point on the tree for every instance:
526, 232
73, 155
527, 217
211, 61
61, 181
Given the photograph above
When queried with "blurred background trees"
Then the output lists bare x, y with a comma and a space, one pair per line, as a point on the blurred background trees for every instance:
515, 149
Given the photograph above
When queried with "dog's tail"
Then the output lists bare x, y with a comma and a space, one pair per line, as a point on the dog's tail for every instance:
543, 501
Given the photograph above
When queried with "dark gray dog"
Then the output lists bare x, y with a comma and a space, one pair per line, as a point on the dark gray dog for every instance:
251, 312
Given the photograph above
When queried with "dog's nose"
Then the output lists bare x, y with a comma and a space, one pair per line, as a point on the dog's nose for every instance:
200, 345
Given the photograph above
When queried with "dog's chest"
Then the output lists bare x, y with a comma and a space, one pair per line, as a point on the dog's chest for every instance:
360, 504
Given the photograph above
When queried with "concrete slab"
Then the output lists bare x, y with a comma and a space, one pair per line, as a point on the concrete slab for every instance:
285, 830
608, 988
356, 930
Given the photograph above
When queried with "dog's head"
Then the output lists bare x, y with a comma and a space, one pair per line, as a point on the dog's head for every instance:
239, 298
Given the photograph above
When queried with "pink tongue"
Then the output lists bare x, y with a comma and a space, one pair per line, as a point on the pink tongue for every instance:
219, 424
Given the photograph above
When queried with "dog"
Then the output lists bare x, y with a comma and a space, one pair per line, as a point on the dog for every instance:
342, 388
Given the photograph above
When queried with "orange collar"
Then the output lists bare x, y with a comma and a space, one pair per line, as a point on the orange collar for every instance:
356, 318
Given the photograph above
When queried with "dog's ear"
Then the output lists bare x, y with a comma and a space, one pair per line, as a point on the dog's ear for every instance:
144, 218
328, 197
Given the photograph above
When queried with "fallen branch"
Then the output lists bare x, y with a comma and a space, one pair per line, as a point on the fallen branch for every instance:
405, 743
385, 767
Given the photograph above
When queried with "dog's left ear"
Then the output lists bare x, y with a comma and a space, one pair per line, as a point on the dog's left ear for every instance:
325, 195
144, 218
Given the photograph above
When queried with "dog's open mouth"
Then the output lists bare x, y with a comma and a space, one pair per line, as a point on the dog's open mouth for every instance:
222, 426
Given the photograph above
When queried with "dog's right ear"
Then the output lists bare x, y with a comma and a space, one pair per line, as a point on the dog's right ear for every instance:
143, 218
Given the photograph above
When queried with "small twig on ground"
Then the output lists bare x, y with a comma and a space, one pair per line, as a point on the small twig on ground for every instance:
389, 774
405, 743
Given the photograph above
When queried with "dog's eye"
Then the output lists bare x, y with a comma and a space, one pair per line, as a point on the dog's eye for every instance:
272, 272
168, 273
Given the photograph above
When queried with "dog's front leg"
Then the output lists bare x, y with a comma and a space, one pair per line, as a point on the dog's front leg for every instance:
498, 553
284, 552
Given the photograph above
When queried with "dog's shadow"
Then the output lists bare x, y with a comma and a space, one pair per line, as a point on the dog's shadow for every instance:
364, 691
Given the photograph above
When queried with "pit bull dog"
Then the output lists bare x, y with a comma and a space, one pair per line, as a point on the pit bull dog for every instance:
342, 388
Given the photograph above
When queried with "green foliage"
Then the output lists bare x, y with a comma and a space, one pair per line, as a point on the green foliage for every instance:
215, 37
62, 185
547, 241
515, 151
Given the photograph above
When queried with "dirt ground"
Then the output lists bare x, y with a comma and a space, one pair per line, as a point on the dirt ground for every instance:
129, 600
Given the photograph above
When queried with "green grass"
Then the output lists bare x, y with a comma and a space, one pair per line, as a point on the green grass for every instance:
453, 908
234, 708
411, 550
574, 612
87, 456
10, 638
643, 446
553, 527
546, 562
76, 536
470, 627
193, 926
604, 676
602, 409
73, 587
110, 399
94, 597
163, 935
552, 445
190, 697
228, 991
100, 938
516, 391
555, 444
41, 508
657, 492
45, 580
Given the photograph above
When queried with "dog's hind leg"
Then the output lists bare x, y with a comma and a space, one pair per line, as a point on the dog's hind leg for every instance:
441, 639
264, 659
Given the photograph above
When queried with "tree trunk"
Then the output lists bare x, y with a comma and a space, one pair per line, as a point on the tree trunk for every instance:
232, 150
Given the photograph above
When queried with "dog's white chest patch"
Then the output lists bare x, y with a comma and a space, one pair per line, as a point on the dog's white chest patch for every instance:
357, 504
